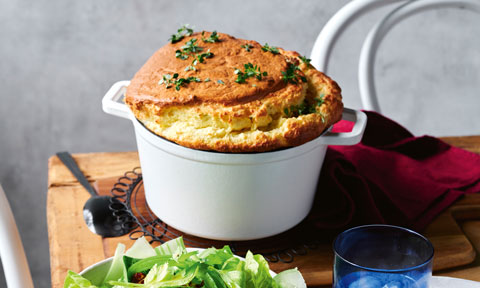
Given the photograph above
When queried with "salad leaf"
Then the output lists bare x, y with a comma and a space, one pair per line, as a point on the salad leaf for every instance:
213, 279
257, 271
216, 257
116, 271
172, 247
233, 279
73, 280
156, 274
141, 249
165, 279
144, 265
290, 279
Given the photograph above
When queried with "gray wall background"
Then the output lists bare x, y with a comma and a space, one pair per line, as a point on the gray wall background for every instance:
59, 57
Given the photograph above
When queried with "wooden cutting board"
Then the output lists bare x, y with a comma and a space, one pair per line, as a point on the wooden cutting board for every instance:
452, 247
74, 247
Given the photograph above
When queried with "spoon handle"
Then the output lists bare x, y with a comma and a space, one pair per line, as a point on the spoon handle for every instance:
68, 160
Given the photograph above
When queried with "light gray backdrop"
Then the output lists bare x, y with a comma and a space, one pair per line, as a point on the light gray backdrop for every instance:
59, 57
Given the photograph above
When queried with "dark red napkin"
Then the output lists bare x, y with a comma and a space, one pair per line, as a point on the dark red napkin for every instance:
391, 177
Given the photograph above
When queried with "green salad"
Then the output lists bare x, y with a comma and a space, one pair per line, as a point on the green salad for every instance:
171, 265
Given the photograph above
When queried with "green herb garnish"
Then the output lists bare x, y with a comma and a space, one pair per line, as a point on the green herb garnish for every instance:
301, 109
181, 54
220, 82
200, 58
291, 75
305, 108
190, 67
247, 47
319, 101
250, 71
191, 46
182, 81
212, 39
181, 33
272, 49
305, 59
188, 49
169, 80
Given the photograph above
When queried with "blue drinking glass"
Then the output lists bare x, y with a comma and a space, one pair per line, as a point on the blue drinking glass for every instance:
382, 256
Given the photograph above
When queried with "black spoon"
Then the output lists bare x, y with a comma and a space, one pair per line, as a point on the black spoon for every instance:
96, 212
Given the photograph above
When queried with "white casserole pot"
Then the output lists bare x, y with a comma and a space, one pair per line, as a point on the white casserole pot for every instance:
229, 196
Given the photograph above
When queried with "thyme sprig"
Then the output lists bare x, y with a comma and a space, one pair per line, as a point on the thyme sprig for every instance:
170, 81
188, 49
249, 71
305, 108
247, 47
212, 38
200, 58
305, 59
273, 50
181, 33
192, 49
167, 80
291, 74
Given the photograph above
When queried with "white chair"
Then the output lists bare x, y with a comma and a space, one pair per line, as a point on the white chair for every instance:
344, 17
14, 261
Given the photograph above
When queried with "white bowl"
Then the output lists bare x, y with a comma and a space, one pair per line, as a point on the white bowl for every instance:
95, 273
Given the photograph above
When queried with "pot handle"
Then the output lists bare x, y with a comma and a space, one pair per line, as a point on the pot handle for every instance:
112, 102
348, 138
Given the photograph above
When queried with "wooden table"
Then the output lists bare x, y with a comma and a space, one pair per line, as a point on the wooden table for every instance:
74, 247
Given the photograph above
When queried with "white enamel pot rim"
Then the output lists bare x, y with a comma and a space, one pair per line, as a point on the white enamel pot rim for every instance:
257, 194
112, 104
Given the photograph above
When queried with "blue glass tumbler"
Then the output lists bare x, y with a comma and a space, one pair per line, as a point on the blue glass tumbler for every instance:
382, 256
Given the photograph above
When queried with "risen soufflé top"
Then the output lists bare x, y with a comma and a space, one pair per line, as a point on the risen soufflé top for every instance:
212, 91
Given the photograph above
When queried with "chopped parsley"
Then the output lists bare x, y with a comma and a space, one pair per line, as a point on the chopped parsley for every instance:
273, 50
291, 75
247, 47
212, 38
181, 33
249, 71
170, 80
305, 59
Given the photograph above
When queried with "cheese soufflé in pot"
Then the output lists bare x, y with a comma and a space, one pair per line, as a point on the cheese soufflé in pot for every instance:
212, 91
231, 134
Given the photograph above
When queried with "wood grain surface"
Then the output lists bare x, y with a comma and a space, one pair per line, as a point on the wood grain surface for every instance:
455, 233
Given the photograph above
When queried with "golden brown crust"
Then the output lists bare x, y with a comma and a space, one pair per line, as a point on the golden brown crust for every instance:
255, 116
